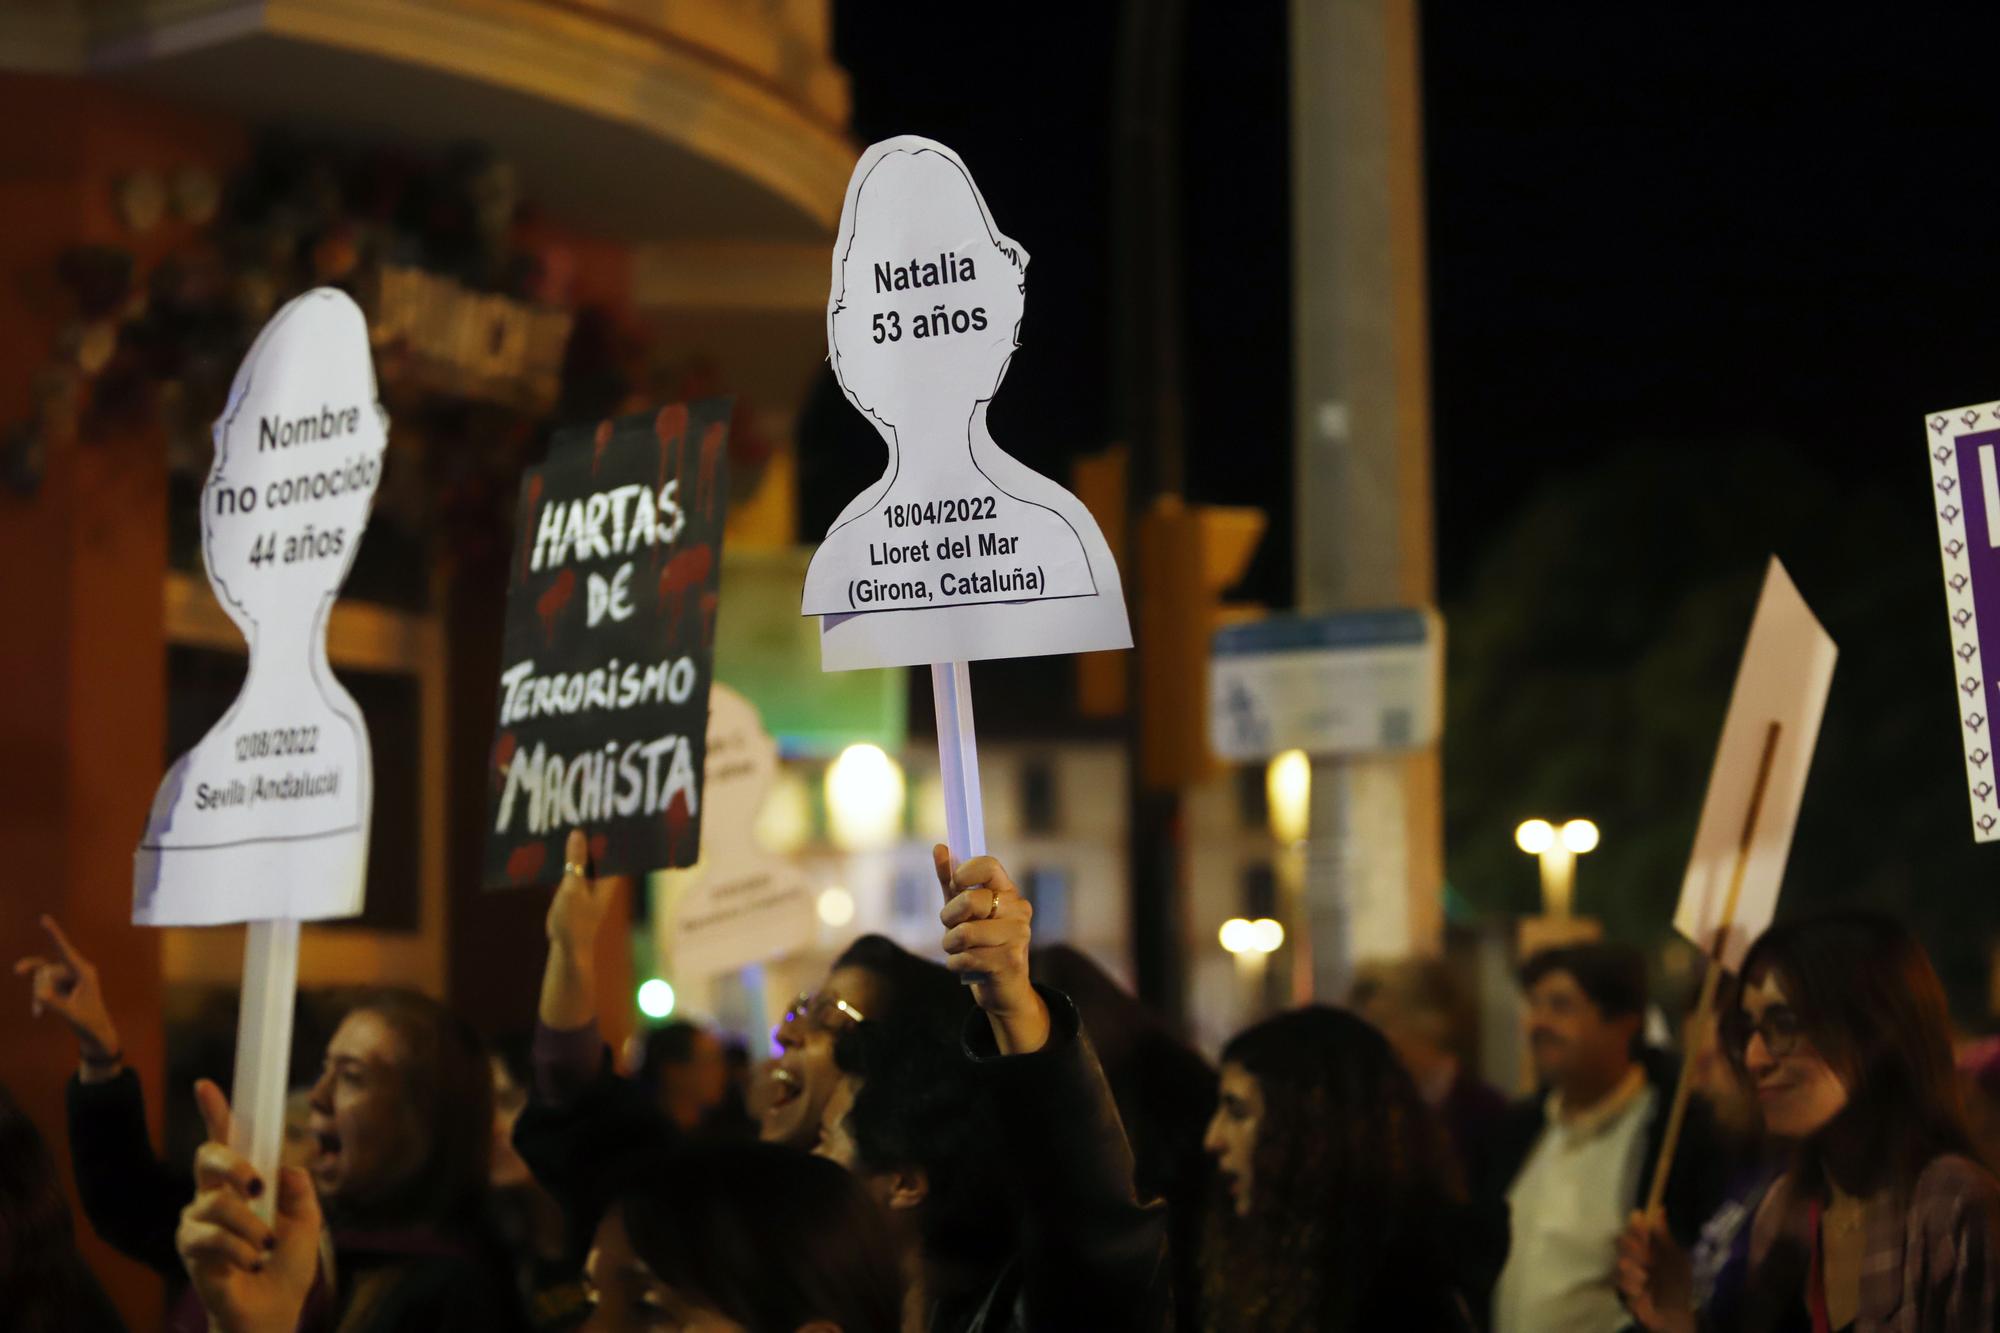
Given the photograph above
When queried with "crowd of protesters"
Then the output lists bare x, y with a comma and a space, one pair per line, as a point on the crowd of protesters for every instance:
1007, 1141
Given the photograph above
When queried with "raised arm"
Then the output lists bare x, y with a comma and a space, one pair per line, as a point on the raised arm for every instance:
1092, 1256
65, 984
130, 1197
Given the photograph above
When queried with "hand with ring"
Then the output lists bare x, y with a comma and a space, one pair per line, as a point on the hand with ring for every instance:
987, 935
569, 978
580, 902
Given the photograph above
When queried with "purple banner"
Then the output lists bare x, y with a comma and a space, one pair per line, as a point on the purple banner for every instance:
1965, 476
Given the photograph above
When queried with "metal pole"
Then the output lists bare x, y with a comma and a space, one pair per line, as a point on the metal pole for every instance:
1362, 448
1147, 355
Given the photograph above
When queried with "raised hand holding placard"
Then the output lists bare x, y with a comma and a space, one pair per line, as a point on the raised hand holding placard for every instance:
266, 819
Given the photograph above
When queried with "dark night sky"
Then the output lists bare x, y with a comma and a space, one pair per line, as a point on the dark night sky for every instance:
1695, 277
1696, 228
1726, 225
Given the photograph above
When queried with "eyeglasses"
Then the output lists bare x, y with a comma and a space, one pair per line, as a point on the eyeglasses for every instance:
1779, 1027
823, 1013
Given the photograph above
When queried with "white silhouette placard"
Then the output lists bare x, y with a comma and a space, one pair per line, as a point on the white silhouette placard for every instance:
959, 552
267, 817
741, 902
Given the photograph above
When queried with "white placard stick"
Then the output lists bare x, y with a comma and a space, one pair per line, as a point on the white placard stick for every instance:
1712, 976
958, 765
264, 1050
958, 760
266, 819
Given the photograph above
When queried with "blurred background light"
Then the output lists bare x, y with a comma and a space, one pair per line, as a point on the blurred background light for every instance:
864, 798
836, 906
1288, 793
656, 998
785, 823
1579, 835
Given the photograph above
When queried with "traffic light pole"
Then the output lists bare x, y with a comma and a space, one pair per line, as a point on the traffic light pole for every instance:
1146, 362
1361, 422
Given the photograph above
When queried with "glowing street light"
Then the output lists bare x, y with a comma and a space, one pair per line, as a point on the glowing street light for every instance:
1535, 836
1241, 936
864, 798
1557, 849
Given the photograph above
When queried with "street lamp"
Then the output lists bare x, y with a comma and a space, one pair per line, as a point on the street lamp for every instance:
1557, 849
1242, 937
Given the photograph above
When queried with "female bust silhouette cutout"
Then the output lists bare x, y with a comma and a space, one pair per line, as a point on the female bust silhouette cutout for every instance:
925, 307
267, 817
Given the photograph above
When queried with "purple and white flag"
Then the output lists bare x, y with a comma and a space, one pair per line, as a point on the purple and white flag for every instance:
1965, 490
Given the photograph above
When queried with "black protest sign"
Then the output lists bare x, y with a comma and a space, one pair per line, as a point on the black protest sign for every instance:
611, 606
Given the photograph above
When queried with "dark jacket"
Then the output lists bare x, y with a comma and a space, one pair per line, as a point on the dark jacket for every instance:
414, 1281
576, 1133
1472, 1113
131, 1198
1090, 1257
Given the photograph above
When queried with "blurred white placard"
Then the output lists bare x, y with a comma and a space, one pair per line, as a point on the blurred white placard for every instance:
267, 817
1786, 670
958, 552
740, 903
1354, 682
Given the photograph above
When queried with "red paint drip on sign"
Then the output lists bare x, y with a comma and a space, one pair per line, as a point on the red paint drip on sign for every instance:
550, 604
678, 822
526, 861
598, 446
531, 495
687, 570
712, 441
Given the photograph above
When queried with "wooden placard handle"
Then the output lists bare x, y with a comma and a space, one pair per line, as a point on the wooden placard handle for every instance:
1712, 974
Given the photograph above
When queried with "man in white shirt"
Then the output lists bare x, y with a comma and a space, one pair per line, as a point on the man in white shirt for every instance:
1577, 1159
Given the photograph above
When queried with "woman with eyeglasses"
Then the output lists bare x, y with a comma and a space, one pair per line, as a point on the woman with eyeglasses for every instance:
585, 1122
873, 978
1884, 1220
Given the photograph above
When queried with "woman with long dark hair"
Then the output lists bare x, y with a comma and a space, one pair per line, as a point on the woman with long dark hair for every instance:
1884, 1221
45, 1287
401, 1123
1338, 1209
